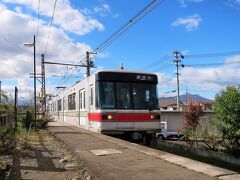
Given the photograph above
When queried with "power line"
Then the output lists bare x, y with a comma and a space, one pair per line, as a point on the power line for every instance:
126, 26
212, 64
147, 9
54, 7
161, 64
163, 67
13, 43
156, 63
212, 54
37, 19
202, 91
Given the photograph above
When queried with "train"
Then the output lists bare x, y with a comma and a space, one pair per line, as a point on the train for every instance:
113, 102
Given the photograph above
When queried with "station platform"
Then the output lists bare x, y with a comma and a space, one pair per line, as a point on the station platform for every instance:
112, 158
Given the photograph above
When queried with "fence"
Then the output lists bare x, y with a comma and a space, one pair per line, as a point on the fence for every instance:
6, 119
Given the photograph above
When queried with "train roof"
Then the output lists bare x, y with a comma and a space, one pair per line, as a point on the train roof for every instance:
124, 71
107, 71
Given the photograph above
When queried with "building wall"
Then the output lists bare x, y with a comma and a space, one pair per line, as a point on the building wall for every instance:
175, 120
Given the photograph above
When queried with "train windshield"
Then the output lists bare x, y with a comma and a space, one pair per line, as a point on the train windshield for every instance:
125, 95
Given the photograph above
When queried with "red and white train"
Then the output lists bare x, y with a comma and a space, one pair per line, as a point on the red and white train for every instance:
111, 102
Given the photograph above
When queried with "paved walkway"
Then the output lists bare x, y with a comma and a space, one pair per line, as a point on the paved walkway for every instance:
112, 158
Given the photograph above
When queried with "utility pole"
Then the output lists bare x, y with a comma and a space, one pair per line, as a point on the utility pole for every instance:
177, 61
34, 73
15, 108
43, 86
89, 62
35, 83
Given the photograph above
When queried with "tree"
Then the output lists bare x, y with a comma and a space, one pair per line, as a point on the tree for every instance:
5, 105
227, 113
191, 115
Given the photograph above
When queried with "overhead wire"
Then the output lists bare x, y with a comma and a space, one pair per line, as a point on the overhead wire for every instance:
212, 64
126, 26
163, 67
13, 43
51, 23
157, 66
211, 54
38, 7
155, 63
142, 13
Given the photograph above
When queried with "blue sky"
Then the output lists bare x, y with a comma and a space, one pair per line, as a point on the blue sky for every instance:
189, 26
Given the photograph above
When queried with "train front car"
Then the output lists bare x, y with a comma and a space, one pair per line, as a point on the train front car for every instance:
127, 104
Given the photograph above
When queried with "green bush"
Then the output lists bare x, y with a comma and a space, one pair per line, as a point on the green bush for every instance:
227, 114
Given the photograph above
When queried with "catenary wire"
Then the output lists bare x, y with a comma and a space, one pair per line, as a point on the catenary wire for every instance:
13, 43
153, 4
38, 6
211, 54
212, 64
51, 23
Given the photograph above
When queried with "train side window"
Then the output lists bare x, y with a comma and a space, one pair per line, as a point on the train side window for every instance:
59, 104
84, 102
72, 101
64, 104
82, 99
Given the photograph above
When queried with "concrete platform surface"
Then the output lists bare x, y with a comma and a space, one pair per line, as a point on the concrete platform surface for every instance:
118, 159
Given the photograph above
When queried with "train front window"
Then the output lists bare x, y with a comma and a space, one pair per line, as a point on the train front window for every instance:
124, 95
144, 96
106, 95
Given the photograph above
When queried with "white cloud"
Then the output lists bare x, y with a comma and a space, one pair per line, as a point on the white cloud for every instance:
17, 63
205, 79
105, 10
190, 22
165, 80
66, 16
218, 77
233, 4
18, 9
185, 2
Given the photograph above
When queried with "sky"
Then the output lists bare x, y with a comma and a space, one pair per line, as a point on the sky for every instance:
206, 32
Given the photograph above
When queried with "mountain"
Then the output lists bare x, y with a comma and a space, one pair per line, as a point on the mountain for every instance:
193, 97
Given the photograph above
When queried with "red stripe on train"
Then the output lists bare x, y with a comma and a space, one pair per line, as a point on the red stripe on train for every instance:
118, 117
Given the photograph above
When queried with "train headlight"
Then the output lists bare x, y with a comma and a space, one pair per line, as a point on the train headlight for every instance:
155, 117
110, 117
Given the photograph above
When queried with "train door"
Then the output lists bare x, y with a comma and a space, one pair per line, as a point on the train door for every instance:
82, 108
91, 105
123, 95
59, 108
91, 98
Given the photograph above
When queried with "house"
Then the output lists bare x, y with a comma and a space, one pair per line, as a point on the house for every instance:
207, 105
170, 104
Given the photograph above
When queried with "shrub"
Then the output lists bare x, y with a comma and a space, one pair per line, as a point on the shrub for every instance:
227, 114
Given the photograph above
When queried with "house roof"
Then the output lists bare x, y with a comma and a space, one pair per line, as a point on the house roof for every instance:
200, 102
168, 102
